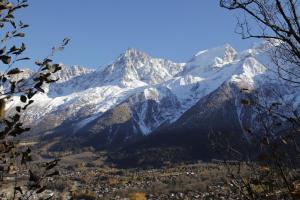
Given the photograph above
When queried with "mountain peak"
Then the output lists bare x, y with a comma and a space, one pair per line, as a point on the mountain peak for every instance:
220, 51
136, 67
134, 53
130, 49
210, 59
69, 72
229, 53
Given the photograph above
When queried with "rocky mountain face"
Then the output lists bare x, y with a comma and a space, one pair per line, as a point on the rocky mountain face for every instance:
139, 100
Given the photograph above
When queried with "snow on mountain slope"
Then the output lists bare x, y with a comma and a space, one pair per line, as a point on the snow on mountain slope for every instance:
154, 106
208, 70
138, 67
156, 91
206, 61
82, 94
68, 73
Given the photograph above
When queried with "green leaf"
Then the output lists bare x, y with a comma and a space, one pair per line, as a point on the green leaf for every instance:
2, 51
30, 102
13, 23
31, 94
18, 108
10, 16
38, 87
26, 58
19, 35
13, 48
25, 26
16, 117
17, 131
38, 63
23, 98
12, 86
66, 41
14, 71
5, 59
23, 47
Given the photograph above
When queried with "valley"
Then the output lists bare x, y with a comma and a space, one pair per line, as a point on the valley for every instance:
85, 176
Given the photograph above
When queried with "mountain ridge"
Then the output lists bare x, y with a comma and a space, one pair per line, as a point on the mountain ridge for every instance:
85, 103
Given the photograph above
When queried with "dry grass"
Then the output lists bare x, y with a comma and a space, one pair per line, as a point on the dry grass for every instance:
137, 196
85, 195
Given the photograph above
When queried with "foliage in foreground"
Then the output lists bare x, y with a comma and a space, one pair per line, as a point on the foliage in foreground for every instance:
273, 159
15, 159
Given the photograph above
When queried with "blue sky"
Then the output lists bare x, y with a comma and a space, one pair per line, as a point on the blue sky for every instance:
102, 29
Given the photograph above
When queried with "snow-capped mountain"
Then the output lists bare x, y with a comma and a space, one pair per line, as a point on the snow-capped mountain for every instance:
137, 95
